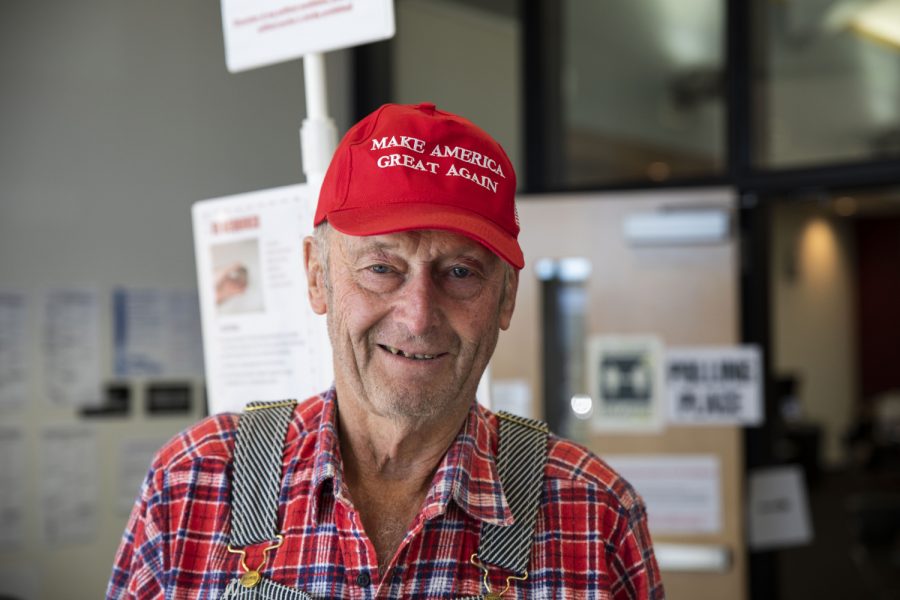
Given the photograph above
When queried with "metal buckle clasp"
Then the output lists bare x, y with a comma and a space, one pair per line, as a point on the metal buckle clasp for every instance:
490, 595
251, 577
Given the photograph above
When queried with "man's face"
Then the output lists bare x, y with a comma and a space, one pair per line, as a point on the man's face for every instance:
413, 317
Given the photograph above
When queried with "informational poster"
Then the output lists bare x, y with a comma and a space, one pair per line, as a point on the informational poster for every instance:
71, 347
625, 379
261, 340
69, 484
779, 509
714, 385
265, 32
157, 333
12, 487
13, 350
134, 457
682, 492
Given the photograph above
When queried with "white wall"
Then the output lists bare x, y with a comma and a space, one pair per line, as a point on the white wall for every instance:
115, 116
813, 323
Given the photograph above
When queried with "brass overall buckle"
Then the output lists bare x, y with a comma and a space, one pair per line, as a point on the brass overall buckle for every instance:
251, 577
490, 595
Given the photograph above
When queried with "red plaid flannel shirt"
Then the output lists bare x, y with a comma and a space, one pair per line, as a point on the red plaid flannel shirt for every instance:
591, 540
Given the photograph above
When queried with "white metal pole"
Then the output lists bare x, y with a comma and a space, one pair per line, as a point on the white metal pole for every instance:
318, 134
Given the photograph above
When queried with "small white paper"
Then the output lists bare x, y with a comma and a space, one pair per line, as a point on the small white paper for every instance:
69, 484
682, 492
134, 459
13, 350
715, 385
261, 339
72, 347
513, 396
12, 487
157, 333
779, 510
265, 32
625, 379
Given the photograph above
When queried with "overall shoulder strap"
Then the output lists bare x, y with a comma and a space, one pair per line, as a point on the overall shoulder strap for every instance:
256, 481
521, 457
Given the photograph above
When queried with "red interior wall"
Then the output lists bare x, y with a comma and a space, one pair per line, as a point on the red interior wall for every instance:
878, 304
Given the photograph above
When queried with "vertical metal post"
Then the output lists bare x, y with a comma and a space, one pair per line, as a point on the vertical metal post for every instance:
318, 135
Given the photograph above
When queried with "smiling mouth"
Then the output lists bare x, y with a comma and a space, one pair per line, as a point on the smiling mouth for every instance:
399, 352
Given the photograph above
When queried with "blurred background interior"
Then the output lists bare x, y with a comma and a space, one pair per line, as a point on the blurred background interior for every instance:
781, 115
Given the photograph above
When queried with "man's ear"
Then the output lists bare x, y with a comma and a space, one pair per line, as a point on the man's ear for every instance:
315, 276
508, 304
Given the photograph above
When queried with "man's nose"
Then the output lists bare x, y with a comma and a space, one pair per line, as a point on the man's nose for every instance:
418, 304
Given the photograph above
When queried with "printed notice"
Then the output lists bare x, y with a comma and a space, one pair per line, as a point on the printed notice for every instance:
265, 32
779, 509
71, 347
625, 379
69, 484
682, 492
261, 340
157, 333
13, 350
12, 487
134, 459
719, 386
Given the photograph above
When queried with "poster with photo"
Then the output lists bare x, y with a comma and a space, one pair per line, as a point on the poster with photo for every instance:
261, 340
625, 378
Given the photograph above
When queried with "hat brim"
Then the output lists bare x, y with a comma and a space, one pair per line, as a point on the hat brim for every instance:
406, 216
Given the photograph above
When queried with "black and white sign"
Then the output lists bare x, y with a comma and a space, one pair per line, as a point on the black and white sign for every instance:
625, 379
714, 385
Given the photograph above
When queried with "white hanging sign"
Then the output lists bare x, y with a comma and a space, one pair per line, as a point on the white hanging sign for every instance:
714, 385
264, 32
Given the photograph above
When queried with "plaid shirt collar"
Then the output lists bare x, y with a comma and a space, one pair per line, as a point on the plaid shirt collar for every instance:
467, 473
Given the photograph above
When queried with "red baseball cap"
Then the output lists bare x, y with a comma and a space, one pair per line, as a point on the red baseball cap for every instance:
416, 167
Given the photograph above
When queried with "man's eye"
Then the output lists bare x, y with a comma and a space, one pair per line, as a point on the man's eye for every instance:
460, 272
380, 269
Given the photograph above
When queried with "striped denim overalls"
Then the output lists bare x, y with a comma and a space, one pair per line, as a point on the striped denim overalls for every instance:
256, 484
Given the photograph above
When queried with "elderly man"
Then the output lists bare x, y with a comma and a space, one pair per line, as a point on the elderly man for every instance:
395, 483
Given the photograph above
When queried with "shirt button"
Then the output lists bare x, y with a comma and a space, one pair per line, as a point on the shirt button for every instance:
363, 579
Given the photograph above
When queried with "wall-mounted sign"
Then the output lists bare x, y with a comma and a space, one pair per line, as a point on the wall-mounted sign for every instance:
714, 385
682, 491
265, 32
779, 509
625, 378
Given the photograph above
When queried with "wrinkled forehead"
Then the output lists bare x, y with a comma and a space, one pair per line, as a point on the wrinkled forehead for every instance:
421, 244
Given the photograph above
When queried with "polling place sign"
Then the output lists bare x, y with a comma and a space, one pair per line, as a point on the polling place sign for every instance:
264, 32
714, 385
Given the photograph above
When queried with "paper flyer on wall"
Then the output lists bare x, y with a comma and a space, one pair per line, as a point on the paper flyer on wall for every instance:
261, 340
71, 346
13, 349
133, 462
13, 483
69, 482
682, 492
157, 333
719, 385
625, 379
